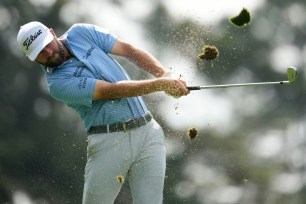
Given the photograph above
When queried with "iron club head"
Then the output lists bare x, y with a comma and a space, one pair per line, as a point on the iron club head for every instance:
292, 74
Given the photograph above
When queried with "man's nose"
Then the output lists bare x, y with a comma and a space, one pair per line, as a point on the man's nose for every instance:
47, 51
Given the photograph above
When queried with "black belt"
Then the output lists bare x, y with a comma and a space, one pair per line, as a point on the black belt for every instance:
122, 126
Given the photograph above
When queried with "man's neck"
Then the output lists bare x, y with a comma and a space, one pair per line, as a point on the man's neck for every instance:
67, 53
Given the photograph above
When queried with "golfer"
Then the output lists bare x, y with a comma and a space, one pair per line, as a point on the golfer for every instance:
123, 138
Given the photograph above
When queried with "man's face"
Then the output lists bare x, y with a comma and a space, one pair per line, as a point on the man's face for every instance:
52, 55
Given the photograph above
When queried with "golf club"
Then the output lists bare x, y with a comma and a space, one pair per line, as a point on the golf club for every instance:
291, 73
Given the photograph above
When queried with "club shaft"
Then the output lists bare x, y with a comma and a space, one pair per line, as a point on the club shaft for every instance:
236, 85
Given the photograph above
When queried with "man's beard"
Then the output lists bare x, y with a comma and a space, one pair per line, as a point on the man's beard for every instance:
57, 58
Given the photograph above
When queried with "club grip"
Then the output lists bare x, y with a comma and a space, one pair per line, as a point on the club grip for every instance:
193, 88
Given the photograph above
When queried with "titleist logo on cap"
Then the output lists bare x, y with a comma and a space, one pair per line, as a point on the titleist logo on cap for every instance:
30, 39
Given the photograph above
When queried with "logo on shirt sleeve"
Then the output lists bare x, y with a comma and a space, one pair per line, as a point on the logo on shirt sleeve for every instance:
82, 83
88, 53
78, 71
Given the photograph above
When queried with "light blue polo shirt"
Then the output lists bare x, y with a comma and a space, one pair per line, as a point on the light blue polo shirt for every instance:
74, 81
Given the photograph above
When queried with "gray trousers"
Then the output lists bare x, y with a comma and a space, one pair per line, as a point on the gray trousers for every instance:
138, 154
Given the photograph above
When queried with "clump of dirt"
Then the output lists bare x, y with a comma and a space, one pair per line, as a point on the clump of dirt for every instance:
120, 179
192, 133
241, 20
209, 52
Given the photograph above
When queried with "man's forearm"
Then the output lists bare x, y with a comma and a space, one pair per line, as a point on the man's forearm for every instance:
139, 57
147, 62
123, 89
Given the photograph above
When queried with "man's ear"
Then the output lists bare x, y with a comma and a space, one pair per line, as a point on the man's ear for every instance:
52, 31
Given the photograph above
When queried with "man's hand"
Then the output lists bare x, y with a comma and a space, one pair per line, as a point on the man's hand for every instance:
173, 87
178, 83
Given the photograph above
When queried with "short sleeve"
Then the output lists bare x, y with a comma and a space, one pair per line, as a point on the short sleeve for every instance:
75, 90
105, 39
101, 36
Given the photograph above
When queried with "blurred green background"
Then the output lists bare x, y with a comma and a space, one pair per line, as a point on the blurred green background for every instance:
251, 144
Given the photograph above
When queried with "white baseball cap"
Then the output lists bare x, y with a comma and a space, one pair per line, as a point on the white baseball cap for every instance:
32, 38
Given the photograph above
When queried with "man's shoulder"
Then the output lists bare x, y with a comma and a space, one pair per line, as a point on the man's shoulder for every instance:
79, 27
82, 26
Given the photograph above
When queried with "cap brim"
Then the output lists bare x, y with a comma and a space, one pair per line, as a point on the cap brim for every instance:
41, 46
